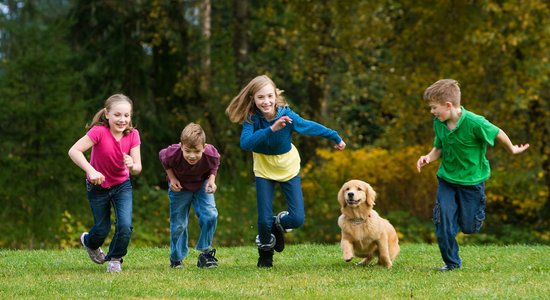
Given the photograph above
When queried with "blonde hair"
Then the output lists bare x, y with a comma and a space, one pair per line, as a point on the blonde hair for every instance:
193, 135
443, 90
99, 117
242, 107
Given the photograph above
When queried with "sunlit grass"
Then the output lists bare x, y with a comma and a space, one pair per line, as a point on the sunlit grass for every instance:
301, 271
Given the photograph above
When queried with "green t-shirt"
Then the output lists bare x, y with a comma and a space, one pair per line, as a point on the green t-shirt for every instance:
463, 149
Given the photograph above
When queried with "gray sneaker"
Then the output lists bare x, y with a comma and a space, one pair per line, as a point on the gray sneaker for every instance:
96, 255
114, 265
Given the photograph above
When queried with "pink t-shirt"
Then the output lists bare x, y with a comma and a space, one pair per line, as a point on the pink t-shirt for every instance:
107, 153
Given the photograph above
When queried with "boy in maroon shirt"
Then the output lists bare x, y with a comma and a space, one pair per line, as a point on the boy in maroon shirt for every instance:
191, 167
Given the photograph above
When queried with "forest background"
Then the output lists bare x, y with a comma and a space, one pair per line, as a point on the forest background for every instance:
359, 67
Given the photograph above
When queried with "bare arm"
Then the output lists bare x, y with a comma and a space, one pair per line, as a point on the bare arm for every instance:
76, 153
211, 186
505, 140
434, 155
133, 161
175, 184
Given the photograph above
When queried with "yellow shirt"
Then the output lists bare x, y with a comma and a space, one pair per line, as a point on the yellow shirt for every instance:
282, 167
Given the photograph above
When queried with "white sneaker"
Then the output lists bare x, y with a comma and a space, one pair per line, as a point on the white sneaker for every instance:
96, 255
114, 265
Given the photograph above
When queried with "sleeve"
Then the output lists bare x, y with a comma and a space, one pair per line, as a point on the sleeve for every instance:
437, 140
251, 138
215, 162
486, 131
95, 133
164, 159
136, 140
307, 127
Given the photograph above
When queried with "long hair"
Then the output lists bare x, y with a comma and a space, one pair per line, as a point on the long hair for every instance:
100, 119
241, 108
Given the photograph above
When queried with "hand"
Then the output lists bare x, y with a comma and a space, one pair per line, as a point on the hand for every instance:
281, 123
210, 188
422, 161
128, 161
175, 185
340, 146
96, 178
518, 149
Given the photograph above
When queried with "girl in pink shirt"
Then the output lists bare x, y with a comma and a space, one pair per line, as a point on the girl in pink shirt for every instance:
115, 155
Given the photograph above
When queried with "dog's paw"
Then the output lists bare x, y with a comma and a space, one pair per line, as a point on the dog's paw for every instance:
348, 259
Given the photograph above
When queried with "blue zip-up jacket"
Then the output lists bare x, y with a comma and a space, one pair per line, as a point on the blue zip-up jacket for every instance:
258, 137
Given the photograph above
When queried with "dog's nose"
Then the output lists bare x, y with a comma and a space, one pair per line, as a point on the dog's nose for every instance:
350, 194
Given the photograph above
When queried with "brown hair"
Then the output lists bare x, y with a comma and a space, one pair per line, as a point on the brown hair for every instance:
443, 90
241, 108
99, 117
193, 135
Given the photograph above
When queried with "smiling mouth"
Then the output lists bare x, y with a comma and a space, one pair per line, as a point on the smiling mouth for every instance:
350, 201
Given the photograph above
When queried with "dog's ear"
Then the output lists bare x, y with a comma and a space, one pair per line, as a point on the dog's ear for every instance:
341, 197
371, 195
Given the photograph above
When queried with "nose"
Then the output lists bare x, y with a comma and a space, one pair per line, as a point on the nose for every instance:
350, 195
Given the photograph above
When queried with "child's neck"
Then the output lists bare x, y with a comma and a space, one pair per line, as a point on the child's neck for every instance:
456, 113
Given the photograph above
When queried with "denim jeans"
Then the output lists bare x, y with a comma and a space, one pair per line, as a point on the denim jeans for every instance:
101, 200
457, 207
265, 190
205, 209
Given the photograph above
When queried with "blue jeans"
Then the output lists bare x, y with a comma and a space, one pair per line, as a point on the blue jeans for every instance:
101, 200
205, 209
265, 190
457, 207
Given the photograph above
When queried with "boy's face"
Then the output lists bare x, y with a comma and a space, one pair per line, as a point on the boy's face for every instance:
192, 154
441, 111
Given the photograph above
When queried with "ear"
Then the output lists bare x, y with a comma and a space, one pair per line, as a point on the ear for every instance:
371, 195
341, 198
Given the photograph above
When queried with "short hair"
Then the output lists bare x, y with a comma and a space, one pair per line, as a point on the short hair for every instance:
443, 90
193, 135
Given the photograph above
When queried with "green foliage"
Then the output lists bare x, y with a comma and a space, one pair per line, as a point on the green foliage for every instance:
359, 67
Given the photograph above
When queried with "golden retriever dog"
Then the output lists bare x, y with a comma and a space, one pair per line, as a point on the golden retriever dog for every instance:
364, 233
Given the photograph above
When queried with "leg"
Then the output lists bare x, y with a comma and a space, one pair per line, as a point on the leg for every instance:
205, 208
292, 190
180, 204
446, 223
347, 249
264, 198
101, 210
471, 211
121, 198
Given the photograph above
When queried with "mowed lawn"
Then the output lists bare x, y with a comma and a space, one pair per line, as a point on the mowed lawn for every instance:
305, 271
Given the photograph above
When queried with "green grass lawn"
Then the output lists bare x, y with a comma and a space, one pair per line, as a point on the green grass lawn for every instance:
301, 271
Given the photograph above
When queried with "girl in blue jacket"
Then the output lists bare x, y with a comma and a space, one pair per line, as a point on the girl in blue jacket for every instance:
267, 127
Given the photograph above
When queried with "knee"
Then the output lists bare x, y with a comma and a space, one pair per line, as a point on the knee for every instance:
210, 217
294, 221
125, 229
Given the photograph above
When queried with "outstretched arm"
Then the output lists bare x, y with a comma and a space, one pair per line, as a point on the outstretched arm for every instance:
434, 155
505, 140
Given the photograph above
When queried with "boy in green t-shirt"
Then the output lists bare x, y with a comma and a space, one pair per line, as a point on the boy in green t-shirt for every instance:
461, 139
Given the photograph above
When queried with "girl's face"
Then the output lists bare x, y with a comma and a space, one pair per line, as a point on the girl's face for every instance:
192, 154
119, 116
265, 100
441, 111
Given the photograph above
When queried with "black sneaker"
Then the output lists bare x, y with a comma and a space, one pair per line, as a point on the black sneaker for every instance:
265, 259
278, 231
207, 259
446, 268
176, 265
